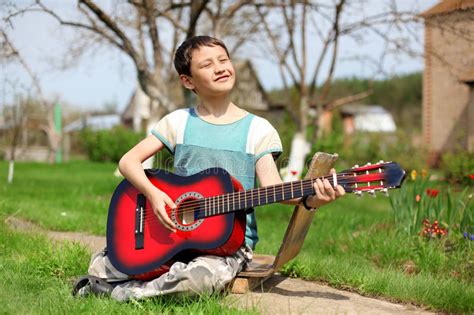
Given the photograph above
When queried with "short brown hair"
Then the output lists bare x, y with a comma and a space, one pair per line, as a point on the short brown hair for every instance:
183, 55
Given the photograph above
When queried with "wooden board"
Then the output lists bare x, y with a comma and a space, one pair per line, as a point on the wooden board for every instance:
302, 218
264, 266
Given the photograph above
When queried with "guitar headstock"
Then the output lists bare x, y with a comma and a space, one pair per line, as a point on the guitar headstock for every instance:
372, 177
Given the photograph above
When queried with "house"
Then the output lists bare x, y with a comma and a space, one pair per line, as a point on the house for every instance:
31, 141
448, 79
369, 118
248, 93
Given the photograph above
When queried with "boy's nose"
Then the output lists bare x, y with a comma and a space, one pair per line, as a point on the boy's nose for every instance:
218, 68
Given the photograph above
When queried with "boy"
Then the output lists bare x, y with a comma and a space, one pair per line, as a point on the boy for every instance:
214, 133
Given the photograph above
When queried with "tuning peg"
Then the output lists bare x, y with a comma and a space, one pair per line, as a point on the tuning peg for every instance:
356, 166
381, 162
385, 191
368, 163
358, 193
371, 192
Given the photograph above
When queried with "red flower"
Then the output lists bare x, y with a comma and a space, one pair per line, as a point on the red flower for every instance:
471, 176
432, 192
432, 230
294, 172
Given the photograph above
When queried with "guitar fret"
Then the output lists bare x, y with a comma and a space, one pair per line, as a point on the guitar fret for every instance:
245, 199
228, 204
259, 202
302, 190
240, 207
291, 187
233, 201
282, 191
274, 193
216, 204
266, 194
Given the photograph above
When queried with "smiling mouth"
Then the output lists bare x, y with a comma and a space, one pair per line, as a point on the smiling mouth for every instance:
222, 78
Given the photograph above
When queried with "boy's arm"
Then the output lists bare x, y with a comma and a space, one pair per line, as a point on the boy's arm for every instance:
130, 166
267, 174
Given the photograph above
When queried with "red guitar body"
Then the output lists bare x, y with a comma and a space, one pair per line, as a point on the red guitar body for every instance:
144, 249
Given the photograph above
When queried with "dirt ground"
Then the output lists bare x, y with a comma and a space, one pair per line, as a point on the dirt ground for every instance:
278, 295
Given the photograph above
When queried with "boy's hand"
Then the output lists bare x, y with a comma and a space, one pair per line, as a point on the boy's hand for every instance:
159, 200
325, 192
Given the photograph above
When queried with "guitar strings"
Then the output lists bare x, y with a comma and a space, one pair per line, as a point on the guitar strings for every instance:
225, 198
153, 220
189, 207
308, 183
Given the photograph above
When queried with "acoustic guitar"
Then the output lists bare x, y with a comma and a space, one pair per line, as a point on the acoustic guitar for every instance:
210, 214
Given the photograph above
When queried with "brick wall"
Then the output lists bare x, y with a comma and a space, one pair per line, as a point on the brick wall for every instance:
449, 47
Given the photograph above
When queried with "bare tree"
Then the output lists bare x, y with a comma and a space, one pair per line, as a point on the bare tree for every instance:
15, 116
326, 24
10, 53
290, 30
140, 35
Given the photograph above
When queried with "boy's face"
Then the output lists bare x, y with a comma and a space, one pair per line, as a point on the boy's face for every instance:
212, 72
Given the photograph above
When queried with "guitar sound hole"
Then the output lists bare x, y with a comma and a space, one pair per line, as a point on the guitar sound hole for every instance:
186, 216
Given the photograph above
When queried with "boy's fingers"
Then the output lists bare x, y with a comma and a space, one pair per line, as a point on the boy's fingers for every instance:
164, 219
329, 189
170, 202
318, 188
340, 191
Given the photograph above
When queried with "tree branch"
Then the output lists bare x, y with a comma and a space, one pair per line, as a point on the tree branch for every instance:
126, 43
148, 9
92, 28
327, 83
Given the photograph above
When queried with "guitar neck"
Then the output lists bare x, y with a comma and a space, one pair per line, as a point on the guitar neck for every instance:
368, 178
257, 197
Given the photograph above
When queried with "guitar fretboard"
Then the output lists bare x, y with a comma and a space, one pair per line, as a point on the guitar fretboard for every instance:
255, 197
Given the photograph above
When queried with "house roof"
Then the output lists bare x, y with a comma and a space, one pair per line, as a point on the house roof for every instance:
362, 109
99, 122
448, 6
243, 68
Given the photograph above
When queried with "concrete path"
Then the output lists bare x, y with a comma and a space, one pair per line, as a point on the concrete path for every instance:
279, 294
283, 295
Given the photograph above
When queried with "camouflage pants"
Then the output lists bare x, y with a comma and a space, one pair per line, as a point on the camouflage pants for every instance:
202, 275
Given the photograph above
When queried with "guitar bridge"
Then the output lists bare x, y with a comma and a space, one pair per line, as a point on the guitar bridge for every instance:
140, 221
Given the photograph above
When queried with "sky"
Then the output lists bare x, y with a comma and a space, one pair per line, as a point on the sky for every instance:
108, 76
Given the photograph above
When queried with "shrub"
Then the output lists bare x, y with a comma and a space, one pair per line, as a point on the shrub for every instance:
366, 147
109, 145
458, 167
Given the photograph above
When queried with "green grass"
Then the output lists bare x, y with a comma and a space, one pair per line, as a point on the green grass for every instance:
37, 279
64, 197
352, 244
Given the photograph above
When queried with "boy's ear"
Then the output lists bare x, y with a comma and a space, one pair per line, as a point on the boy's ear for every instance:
186, 81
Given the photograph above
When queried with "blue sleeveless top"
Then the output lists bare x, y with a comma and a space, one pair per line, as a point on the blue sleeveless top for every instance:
236, 147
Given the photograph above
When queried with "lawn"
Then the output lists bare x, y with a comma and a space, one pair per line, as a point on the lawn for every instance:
353, 244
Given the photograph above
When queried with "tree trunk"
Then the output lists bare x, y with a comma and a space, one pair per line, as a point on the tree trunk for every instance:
11, 170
